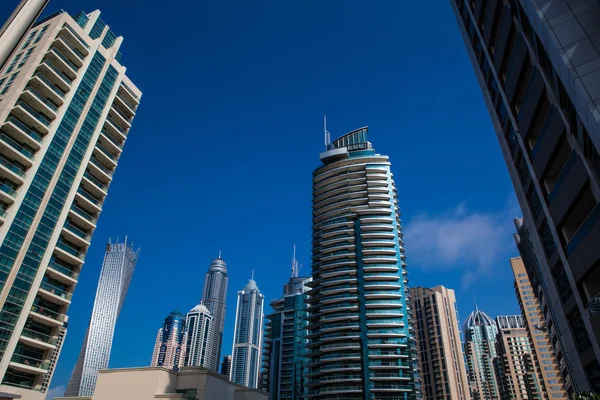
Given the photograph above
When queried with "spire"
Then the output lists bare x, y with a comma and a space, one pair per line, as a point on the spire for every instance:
294, 264
475, 301
219, 254
252, 274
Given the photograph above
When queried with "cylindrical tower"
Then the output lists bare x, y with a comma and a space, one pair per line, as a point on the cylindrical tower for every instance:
361, 339
214, 298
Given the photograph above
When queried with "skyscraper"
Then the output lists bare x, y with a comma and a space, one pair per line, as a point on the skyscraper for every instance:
18, 23
247, 337
517, 371
66, 107
214, 297
117, 269
480, 347
441, 353
200, 334
226, 366
285, 341
361, 336
538, 337
538, 64
171, 341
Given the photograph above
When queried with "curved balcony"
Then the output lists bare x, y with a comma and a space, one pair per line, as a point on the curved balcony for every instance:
340, 327
340, 347
342, 173
383, 304
377, 235
338, 281
329, 318
336, 264
349, 240
376, 259
368, 269
327, 203
378, 251
384, 314
348, 249
333, 368
388, 294
377, 227
341, 233
337, 272
384, 324
334, 299
343, 187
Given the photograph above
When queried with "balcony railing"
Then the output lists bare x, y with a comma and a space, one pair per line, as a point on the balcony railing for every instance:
30, 361
126, 102
63, 270
42, 98
8, 189
11, 166
108, 153
70, 46
112, 139
63, 246
83, 213
56, 290
83, 43
7, 139
125, 117
60, 55
95, 180
58, 71
72, 228
31, 132
88, 196
47, 313
42, 337
52, 86
45, 121
102, 167
116, 126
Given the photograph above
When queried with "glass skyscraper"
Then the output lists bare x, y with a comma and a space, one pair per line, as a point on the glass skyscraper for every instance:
286, 342
200, 336
66, 107
480, 332
214, 298
361, 336
119, 262
171, 341
247, 337
538, 65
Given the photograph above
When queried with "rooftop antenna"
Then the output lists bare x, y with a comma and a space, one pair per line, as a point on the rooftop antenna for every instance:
294, 265
475, 301
327, 135
252, 274
219, 253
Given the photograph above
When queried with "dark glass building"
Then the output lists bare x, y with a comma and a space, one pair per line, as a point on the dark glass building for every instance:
538, 64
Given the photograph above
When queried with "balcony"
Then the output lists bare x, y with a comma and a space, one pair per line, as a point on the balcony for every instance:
127, 94
107, 140
63, 63
23, 133
69, 253
7, 193
88, 202
29, 364
56, 76
40, 103
38, 339
74, 55
94, 185
30, 116
62, 273
47, 316
11, 170
54, 294
115, 129
76, 235
126, 105
118, 116
14, 150
82, 217
105, 156
45, 86
75, 40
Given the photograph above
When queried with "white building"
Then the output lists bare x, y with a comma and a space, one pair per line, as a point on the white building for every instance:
119, 262
66, 107
200, 337
247, 338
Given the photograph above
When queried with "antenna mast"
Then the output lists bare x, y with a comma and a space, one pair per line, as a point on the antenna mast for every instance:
294, 265
327, 135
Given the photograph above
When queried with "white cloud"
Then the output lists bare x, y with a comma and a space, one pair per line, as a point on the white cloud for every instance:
55, 392
469, 241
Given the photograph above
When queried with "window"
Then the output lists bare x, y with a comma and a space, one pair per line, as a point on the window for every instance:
534, 202
29, 39
547, 239
561, 281
25, 58
579, 331
496, 27
13, 63
522, 84
539, 117
9, 83
577, 214
557, 163
41, 34
508, 51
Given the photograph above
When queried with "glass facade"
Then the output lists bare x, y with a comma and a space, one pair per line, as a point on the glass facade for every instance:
361, 337
214, 298
480, 333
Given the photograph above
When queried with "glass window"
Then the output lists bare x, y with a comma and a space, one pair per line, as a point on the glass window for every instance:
41, 34
13, 63
29, 39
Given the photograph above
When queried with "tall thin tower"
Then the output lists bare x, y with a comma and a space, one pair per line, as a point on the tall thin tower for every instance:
214, 298
361, 337
66, 109
119, 262
247, 337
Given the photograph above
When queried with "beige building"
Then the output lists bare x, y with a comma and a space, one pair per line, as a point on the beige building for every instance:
441, 356
537, 333
190, 383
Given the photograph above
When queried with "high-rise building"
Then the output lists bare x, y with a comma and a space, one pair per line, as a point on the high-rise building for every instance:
285, 341
171, 340
480, 333
247, 337
66, 107
117, 269
16, 25
517, 371
441, 353
200, 327
361, 336
538, 64
226, 366
214, 297
551, 377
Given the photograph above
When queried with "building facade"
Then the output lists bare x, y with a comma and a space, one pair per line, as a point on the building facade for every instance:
286, 343
171, 341
200, 335
361, 336
66, 107
247, 337
480, 332
552, 380
214, 298
117, 269
441, 353
517, 370
226, 366
17, 25
538, 64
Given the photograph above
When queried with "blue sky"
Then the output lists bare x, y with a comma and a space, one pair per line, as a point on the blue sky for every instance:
229, 130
